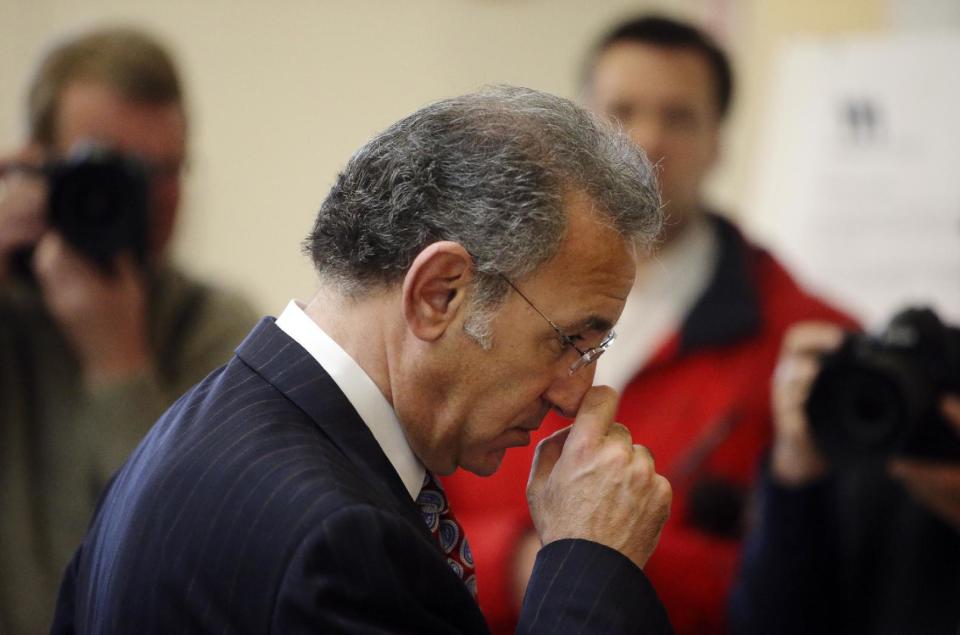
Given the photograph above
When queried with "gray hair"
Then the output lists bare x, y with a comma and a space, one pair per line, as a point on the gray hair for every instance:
489, 170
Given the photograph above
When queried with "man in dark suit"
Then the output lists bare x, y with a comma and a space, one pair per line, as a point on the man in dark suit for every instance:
473, 260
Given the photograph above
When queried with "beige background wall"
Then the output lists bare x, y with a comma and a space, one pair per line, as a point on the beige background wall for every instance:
281, 93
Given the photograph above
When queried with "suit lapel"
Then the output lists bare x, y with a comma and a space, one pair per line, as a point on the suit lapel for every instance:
287, 366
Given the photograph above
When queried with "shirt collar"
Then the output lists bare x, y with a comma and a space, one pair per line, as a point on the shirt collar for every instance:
729, 309
360, 390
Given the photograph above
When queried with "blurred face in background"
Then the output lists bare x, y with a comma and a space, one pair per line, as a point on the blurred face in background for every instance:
155, 133
666, 100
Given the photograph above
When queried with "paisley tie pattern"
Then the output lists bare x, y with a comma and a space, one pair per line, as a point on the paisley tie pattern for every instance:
447, 531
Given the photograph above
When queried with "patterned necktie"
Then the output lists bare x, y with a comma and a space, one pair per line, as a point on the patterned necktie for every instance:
447, 531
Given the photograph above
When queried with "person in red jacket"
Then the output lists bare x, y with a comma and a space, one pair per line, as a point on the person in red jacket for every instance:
696, 346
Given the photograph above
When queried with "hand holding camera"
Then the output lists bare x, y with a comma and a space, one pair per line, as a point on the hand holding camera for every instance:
102, 315
936, 485
82, 223
878, 396
842, 398
795, 458
22, 202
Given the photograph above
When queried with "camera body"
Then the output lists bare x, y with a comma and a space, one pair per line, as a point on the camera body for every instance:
99, 202
878, 396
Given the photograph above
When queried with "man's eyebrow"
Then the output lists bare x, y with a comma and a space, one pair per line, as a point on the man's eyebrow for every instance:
590, 323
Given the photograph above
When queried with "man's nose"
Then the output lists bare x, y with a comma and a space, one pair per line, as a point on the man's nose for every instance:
649, 135
566, 392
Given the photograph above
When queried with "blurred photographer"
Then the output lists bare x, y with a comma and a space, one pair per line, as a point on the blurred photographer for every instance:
97, 337
842, 545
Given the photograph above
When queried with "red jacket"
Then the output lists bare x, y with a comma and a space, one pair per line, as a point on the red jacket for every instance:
702, 406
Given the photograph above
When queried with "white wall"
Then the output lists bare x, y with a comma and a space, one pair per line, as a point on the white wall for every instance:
281, 93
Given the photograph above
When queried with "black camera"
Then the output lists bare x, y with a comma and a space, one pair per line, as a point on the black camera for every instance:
878, 396
99, 202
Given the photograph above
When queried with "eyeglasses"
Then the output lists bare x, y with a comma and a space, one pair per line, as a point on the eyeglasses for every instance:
588, 356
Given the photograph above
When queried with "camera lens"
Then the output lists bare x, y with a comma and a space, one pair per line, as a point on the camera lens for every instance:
98, 201
878, 396
872, 408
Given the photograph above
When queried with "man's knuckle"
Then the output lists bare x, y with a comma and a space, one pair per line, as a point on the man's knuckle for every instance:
663, 488
619, 455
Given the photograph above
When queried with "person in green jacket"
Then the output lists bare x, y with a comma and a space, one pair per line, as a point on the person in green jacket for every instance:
90, 353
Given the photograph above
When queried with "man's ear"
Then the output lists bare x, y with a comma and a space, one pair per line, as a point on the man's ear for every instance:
435, 288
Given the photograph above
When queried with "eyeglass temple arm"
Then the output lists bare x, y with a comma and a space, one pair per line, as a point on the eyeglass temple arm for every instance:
563, 336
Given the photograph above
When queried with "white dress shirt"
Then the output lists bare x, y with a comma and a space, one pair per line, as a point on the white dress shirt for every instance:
362, 392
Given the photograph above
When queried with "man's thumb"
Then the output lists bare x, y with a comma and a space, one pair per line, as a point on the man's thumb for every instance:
547, 454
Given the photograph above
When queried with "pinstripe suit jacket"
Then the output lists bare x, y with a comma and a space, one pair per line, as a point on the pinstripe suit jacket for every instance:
261, 503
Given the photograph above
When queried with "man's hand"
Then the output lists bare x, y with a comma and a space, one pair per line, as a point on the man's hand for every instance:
934, 485
22, 202
102, 315
590, 481
795, 459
